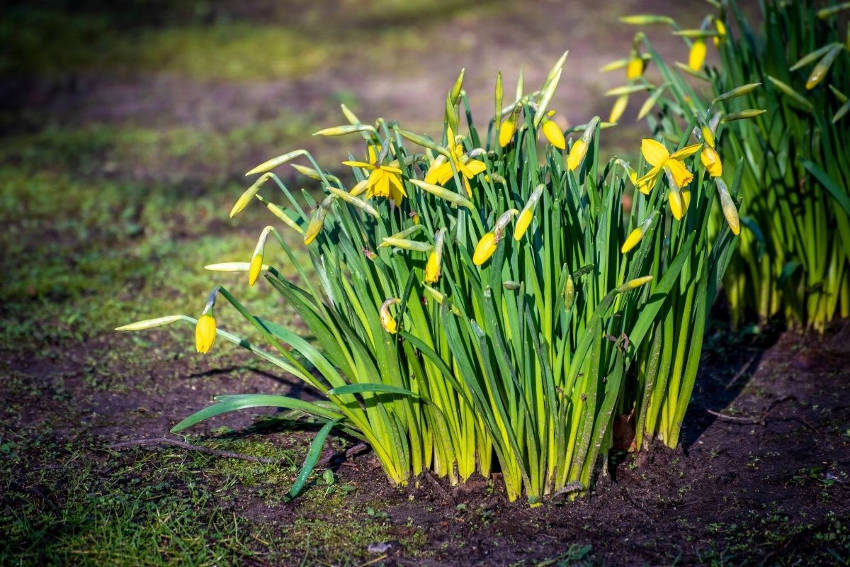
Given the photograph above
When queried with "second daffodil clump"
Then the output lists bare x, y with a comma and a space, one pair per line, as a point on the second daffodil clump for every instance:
475, 299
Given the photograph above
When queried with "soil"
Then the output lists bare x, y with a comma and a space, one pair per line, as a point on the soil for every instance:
761, 477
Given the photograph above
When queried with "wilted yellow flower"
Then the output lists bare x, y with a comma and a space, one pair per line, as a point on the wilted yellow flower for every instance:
576, 155
484, 249
387, 321
441, 170
696, 58
205, 333
507, 130
384, 180
553, 133
660, 159
677, 205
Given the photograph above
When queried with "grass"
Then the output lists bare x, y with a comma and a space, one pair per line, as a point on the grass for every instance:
214, 41
169, 506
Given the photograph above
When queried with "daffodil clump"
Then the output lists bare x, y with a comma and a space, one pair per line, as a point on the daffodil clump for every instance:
478, 297
780, 113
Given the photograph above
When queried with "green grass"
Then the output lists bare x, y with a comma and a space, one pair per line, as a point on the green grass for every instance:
171, 507
211, 42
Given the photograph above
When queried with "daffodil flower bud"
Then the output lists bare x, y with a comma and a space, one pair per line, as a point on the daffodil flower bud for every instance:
484, 249
527, 213
257, 257
696, 58
553, 133
387, 321
619, 108
636, 235
728, 207
507, 130
634, 69
317, 221
569, 292
635, 283
711, 161
435, 258
576, 155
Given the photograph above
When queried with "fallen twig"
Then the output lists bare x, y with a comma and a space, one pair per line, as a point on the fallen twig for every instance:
741, 372
751, 420
188, 447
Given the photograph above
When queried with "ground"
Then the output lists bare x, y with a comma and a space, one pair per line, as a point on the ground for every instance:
124, 138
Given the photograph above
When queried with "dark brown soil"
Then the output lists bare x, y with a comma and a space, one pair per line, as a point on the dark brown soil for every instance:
762, 477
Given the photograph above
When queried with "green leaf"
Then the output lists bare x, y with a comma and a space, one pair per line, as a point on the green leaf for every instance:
227, 404
312, 457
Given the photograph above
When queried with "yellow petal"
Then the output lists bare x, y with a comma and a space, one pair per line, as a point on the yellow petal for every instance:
696, 58
711, 161
676, 205
576, 155
687, 151
681, 175
484, 249
647, 182
553, 133
653, 152
360, 187
472, 168
438, 174
619, 108
632, 240
372, 154
686, 198
506, 131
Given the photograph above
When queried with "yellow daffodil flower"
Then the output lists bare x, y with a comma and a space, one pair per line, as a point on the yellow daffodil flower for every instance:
696, 58
384, 180
660, 159
441, 170
205, 332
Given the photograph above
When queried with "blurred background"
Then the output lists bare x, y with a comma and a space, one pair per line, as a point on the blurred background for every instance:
126, 127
